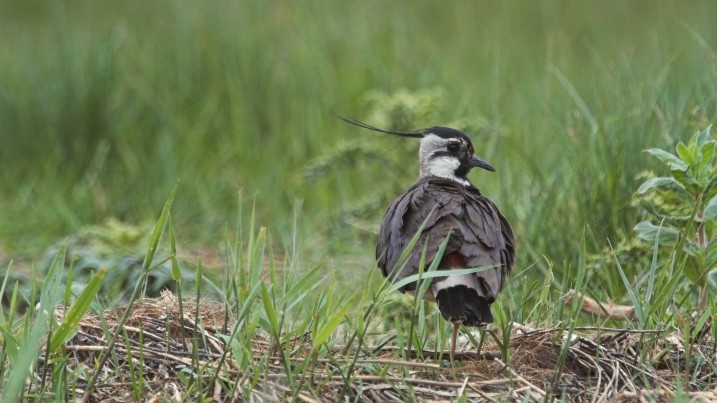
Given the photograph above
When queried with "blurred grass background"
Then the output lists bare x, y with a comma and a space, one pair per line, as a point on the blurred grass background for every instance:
103, 106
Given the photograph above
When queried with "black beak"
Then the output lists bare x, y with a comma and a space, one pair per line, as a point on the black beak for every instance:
476, 162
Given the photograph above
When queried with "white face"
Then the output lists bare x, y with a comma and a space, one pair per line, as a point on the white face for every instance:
436, 159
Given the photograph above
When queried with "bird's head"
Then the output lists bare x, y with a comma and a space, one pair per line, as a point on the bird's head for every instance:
444, 152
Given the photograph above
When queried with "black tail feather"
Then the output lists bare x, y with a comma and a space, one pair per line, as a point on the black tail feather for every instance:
460, 303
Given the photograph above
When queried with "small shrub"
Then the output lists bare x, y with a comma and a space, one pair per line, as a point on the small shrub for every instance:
683, 207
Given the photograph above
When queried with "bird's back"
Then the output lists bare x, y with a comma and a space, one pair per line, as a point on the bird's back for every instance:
479, 236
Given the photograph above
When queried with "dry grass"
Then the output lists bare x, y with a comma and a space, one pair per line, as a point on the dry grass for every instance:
599, 364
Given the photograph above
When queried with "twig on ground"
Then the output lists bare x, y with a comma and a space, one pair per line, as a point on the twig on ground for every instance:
599, 309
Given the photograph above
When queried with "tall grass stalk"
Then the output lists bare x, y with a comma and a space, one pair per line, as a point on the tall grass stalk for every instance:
146, 268
23, 359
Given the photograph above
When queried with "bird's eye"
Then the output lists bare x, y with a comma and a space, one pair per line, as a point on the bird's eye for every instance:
453, 147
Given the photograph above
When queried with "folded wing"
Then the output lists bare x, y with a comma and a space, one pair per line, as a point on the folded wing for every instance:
479, 235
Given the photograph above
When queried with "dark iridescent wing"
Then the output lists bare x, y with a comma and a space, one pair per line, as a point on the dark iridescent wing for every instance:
479, 233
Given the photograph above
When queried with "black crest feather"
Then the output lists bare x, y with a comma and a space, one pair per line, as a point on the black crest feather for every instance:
416, 135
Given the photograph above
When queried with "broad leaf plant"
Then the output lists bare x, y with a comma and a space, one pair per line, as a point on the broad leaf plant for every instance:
683, 207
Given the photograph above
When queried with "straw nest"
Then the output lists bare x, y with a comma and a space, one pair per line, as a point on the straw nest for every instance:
166, 349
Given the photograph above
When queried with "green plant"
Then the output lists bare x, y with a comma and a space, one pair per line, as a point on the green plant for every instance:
684, 205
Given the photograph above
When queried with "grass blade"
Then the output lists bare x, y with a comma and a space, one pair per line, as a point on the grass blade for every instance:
49, 296
434, 274
78, 310
331, 324
270, 311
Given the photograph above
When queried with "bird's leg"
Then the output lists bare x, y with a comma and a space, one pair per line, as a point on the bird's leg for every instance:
456, 325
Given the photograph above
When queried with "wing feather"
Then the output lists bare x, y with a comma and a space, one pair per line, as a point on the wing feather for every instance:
478, 232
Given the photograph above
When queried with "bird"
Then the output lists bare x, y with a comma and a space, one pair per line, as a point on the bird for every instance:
444, 203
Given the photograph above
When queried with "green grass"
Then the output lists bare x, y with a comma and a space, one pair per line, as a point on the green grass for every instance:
103, 108
289, 333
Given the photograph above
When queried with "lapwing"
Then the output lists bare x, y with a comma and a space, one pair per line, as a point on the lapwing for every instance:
451, 206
